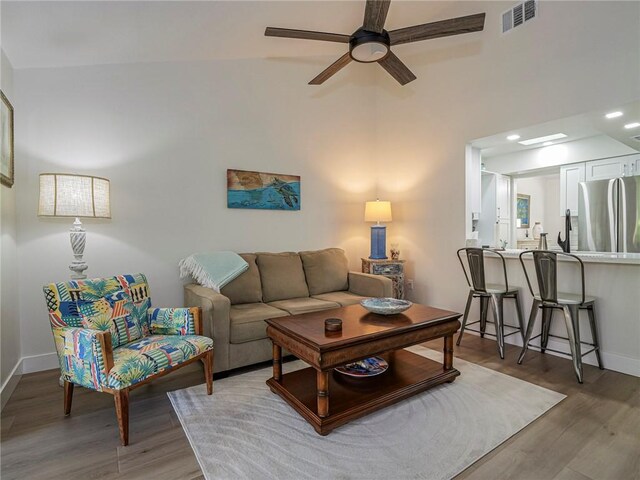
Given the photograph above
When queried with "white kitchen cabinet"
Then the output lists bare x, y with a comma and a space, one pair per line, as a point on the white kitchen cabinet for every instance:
632, 165
504, 232
607, 168
570, 177
495, 220
503, 197
604, 169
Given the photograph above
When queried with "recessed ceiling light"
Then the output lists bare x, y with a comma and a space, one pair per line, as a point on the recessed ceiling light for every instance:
546, 144
513, 137
632, 125
546, 138
613, 115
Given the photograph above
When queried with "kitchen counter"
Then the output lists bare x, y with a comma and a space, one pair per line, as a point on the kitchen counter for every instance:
612, 278
587, 257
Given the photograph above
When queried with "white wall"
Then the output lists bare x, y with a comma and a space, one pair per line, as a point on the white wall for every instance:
164, 134
535, 187
583, 150
545, 204
470, 87
553, 221
474, 184
9, 271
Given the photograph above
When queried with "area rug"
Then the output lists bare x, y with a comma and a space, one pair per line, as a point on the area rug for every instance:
245, 431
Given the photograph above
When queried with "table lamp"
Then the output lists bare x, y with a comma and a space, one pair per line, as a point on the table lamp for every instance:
378, 212
70, 195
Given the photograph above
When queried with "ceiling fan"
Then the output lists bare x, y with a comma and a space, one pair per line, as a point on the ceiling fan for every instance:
372, 43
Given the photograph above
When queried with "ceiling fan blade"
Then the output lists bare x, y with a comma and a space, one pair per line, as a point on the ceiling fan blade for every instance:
398, 70
332, 69
306, 35
443, 28
375, 13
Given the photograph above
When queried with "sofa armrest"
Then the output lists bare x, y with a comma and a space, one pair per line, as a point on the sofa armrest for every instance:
175, 321
86, 355
215, 319
367, 285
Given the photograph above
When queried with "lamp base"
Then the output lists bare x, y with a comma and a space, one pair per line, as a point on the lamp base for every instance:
378, 242
78, 269
78, 238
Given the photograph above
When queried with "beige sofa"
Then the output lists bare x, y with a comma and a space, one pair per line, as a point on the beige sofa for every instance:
276, 285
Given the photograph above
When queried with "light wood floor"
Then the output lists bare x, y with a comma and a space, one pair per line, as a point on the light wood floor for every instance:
593, 434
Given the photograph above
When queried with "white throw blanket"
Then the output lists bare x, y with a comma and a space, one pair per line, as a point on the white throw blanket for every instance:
213, 270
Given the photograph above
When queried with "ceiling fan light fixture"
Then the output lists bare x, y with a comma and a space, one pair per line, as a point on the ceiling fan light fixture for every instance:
371, 43
369, 47
369, 52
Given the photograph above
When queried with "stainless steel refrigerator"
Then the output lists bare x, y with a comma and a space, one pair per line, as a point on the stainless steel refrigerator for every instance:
609, 215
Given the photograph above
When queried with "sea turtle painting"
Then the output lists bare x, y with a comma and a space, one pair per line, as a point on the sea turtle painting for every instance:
285, 190
264, 191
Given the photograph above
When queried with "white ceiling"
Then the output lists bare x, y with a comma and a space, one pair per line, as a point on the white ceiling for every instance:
73, 33
579, 126
37, 34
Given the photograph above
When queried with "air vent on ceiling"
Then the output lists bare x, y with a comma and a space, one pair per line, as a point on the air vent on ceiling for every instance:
507, 21
636, 138
518, 15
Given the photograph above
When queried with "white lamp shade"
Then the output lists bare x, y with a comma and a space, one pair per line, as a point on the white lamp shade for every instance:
66, 195
377, 211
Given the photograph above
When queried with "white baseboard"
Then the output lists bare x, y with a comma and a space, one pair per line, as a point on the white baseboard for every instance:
10, 384
611, 361
38, 363
29, 364
620, 363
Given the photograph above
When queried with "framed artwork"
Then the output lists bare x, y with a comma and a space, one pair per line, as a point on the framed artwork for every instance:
262, 190
6, 142
523, 203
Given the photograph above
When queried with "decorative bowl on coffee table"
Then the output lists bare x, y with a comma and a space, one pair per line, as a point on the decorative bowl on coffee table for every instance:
385, 306
368, 367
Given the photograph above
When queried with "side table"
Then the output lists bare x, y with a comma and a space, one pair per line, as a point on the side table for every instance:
393, 269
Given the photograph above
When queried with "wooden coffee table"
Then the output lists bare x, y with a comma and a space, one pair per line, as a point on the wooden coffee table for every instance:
328, 399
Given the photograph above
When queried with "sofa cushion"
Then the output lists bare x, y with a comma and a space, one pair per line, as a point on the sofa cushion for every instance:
326, 270
246, 288
136, 361
343, 298
248, 321
296, 306
282, 276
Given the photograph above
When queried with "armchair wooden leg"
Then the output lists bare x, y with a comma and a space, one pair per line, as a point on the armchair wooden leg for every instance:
208, 371
68, 397
121, 398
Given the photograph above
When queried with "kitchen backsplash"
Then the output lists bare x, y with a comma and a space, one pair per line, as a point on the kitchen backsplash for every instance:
574, 234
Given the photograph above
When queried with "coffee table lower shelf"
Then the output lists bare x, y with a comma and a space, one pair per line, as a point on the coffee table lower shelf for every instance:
351, 398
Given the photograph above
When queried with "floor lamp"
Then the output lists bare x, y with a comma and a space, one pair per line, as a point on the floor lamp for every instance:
69, 195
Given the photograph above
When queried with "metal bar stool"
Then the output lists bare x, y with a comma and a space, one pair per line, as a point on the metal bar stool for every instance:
549, 299
485, 292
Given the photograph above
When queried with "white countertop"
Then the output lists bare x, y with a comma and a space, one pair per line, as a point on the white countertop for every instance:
588, 257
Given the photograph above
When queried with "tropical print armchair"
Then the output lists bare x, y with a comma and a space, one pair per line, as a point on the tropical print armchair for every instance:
109, 338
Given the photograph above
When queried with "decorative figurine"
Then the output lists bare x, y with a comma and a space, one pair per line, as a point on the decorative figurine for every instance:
395, 251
